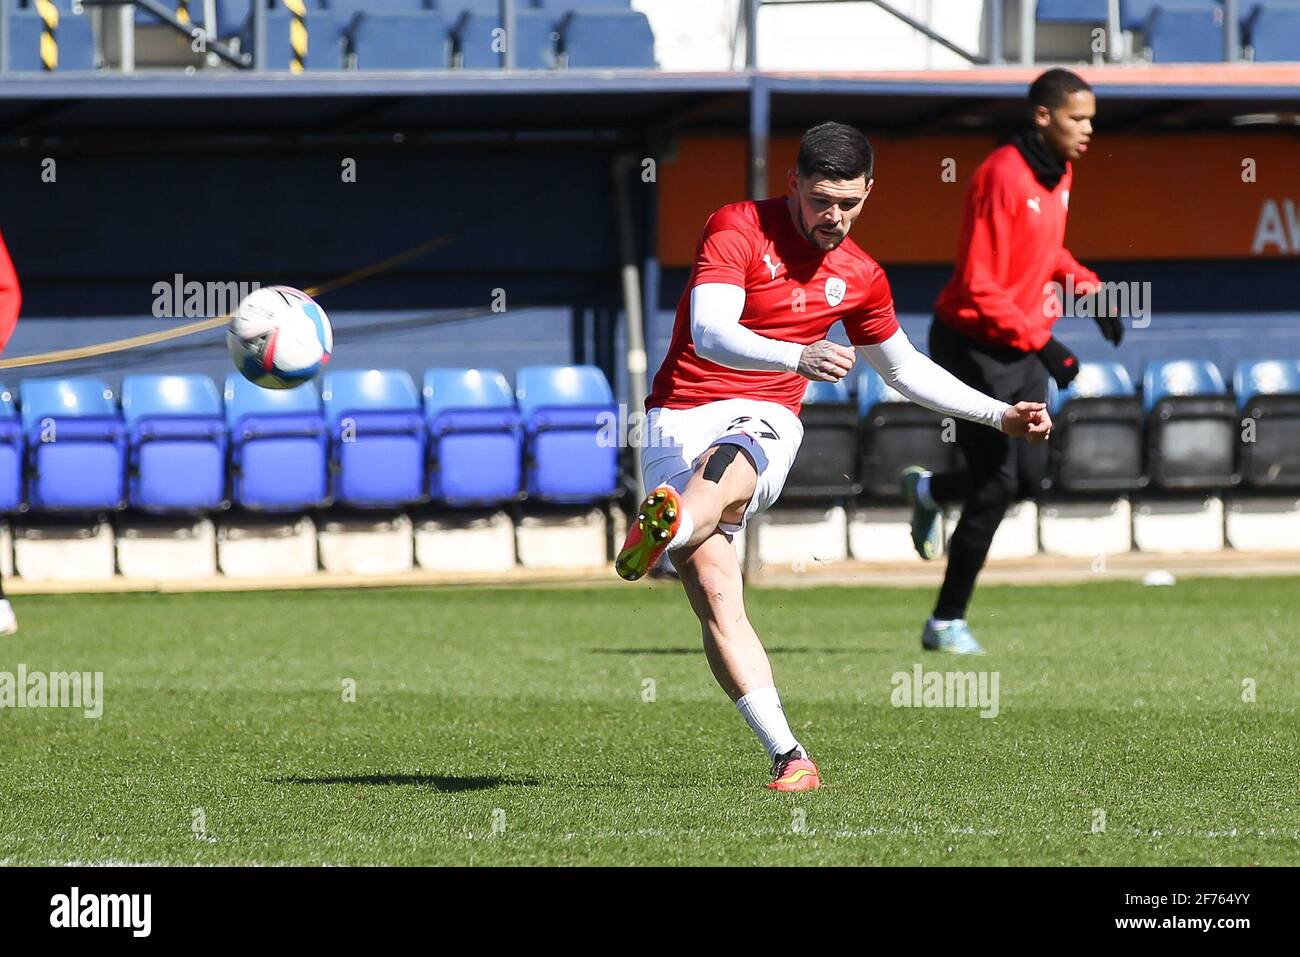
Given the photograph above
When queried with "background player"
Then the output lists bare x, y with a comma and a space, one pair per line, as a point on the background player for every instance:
722, 426
11, 300
993, 330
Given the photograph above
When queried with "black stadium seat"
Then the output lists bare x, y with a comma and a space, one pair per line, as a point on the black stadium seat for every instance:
1268, 395
827, 464
1192, 426
1096, 444
896, 433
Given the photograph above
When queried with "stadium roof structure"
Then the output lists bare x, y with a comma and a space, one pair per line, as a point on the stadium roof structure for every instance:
598, 104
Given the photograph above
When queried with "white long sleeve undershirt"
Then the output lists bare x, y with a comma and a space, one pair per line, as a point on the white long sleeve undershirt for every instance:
719, 337
926, 383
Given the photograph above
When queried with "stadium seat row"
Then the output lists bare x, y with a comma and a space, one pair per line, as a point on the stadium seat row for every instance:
459, 33
1191, 30
384, 34
368, 439
1186, 431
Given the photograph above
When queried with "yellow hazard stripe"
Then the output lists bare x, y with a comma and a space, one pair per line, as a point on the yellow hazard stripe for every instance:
297, 34
49, 15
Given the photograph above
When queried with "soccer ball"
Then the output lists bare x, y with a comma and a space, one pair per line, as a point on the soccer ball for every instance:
279, 337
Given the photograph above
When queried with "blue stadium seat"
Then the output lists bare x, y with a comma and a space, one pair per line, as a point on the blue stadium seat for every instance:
195, 8
896, 433
565, 409
1191, 34
76, 445
820, 392
477, 48
1097, 442
324, 38
232, 15
279, 447
75, 38
557, 8
1268, 397
1192, 426
345, 9
399, 41
475, 437
11, 454
452, 9
1134, 14
1180, 377
826, 468
1273, 31
607, 39
1096, 380
377, 438
1071, 11
1255, 378
176, 442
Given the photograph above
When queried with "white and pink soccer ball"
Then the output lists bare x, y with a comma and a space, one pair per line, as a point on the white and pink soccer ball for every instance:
279, 337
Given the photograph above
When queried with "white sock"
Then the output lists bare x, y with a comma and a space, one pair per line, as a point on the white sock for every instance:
923, 491
762, 711
684, 531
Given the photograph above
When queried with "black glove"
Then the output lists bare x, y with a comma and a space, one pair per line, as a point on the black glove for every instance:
1112, 327
1060, 361
1104, 315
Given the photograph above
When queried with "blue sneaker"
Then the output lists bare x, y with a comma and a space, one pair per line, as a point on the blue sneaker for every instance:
926, 538
954, 638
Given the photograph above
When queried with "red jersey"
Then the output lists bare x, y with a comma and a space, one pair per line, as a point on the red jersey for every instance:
11, 298
1012, 247
794, 292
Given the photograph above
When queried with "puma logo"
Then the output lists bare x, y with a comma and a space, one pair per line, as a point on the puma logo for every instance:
772, 267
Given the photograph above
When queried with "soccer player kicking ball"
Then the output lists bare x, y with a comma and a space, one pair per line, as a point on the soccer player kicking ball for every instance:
722, 425
993, 330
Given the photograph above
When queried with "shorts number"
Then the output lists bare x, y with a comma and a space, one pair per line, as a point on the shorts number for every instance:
738, 424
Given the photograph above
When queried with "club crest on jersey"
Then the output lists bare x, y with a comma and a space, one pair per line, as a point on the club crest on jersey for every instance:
835, 289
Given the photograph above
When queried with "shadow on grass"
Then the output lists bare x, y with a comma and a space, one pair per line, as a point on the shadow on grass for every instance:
433, 782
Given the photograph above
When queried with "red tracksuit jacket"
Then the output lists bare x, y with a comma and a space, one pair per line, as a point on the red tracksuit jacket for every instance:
11, 298
1012, 248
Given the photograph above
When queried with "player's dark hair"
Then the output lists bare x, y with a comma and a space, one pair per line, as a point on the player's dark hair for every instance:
1054, 87
835, 151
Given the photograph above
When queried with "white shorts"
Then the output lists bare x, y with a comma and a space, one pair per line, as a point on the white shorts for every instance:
672, 441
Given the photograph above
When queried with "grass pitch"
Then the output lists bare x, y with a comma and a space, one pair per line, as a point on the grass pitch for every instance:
513, 726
